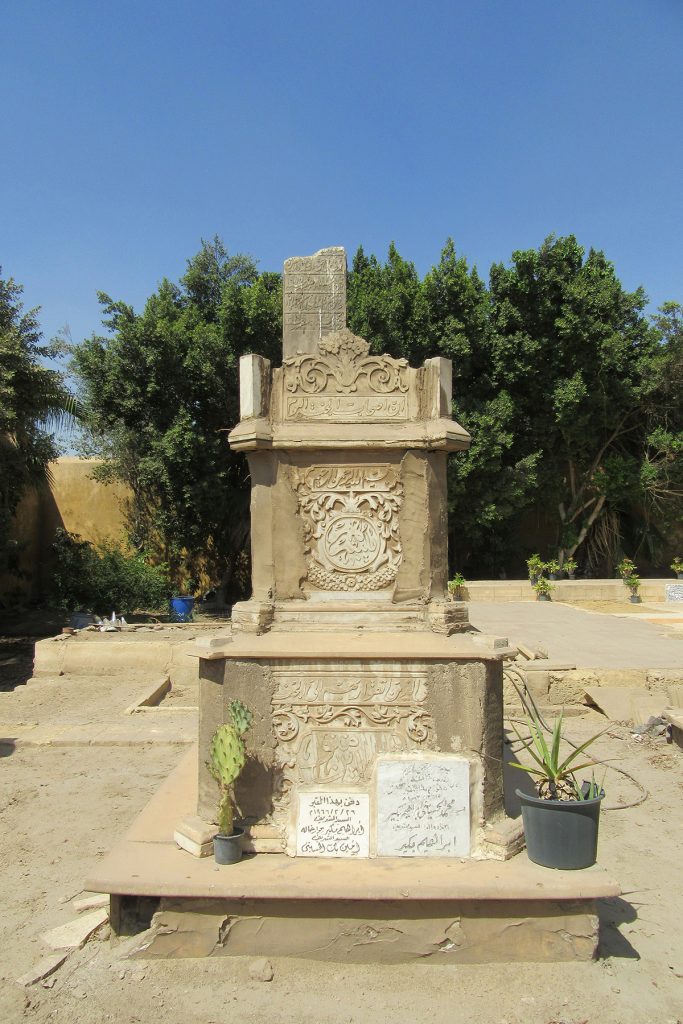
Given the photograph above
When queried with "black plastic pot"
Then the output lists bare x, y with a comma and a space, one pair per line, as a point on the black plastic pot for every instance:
228, 849
561, 833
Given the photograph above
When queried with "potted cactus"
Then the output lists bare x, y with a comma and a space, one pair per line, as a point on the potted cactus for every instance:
227, 759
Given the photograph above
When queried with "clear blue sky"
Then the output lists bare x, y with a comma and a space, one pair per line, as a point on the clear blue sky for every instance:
132, 129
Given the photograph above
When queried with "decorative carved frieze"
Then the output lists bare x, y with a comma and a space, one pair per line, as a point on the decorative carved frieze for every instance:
331, 724
351, 534
343, 366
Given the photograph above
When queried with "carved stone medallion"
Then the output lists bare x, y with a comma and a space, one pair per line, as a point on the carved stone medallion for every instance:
351, 534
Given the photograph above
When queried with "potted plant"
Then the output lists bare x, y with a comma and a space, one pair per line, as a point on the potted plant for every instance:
626, 568
561, 822
677, 567
455, 586
553, 569
227, 759
570, 566
633, 584
543, 589
535, 566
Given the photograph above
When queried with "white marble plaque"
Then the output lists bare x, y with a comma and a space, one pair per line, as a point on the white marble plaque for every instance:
423, 807
333, 825
674, 592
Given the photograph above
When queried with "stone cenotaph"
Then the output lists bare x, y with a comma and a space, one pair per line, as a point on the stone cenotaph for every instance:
378, 717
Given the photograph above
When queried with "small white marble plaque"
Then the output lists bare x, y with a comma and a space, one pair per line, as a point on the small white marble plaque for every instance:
674, 592
333, 825
423, 807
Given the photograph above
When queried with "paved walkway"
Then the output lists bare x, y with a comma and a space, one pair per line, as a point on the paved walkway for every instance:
585, 639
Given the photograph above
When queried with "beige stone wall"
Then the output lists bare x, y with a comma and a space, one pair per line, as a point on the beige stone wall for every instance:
73, 501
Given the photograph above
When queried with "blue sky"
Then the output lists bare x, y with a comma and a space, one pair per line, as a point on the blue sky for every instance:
133, 129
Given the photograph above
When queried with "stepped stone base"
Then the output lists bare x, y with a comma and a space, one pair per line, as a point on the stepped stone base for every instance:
372, 931
382, 910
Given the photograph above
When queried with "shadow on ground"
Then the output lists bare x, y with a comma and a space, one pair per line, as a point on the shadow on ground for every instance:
615, 912
16, 661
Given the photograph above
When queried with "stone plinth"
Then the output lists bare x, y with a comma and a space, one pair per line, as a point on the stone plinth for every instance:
330, 708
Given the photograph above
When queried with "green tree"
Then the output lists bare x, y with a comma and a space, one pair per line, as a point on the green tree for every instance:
160, 392
489, 484
447, 314
34, 401
586, 371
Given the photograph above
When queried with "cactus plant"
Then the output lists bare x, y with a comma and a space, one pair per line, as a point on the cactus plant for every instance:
227, 759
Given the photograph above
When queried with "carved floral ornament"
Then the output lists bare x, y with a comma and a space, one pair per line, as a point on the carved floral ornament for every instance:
331, 724
344, 363
350, 516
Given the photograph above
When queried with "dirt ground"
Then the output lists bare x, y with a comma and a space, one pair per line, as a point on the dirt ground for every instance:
62, 808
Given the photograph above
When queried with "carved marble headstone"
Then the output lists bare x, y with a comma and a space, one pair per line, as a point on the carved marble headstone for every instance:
333, 824
423, 807
314, 299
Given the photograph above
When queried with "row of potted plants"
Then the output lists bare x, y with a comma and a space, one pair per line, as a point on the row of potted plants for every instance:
538, 569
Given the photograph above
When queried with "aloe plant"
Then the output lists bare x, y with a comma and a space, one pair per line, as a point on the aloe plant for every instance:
555, 778
227, 759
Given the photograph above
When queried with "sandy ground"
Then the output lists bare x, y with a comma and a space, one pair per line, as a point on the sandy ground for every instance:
64, 807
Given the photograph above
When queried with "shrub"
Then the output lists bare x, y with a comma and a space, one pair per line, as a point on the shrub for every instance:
103, 579
626, 568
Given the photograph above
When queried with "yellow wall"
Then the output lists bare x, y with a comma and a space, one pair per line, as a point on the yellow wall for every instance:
74, 501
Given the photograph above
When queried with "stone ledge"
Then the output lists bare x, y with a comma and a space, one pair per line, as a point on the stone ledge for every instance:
161, 869
147, 862
361, 645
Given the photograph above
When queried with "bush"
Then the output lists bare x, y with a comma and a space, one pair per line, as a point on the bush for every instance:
103, 579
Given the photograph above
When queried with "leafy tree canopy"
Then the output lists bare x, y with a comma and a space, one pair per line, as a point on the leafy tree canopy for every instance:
571, 394
33, 401
160, 392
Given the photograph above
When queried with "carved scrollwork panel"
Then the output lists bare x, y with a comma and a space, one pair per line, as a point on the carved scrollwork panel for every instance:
331, 725
342, 366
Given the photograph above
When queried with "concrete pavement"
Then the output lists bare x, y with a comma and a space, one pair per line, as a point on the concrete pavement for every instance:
584, 638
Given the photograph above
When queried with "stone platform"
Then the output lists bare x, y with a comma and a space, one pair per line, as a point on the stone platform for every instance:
386, 910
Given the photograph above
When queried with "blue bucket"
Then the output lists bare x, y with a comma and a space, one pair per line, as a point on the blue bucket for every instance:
181, 609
